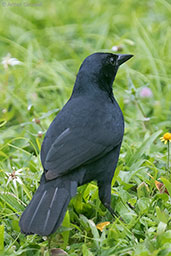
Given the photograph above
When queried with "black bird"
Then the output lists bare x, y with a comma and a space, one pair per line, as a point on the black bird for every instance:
82, 144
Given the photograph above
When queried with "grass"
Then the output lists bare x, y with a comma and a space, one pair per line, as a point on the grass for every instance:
51, 40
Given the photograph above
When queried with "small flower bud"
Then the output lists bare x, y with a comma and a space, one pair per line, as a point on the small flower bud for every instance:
35, 120
117, 48
4, 111
146, 92
30, 108
40, 134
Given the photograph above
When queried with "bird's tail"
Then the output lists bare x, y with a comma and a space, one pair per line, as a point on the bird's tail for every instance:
45, 212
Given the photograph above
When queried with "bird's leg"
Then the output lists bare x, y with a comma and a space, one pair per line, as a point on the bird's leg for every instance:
105, 197
49, 238
113, 213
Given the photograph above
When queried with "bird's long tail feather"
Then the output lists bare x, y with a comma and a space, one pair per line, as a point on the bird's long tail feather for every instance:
47, 208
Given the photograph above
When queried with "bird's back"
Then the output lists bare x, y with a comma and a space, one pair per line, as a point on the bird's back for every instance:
96, 118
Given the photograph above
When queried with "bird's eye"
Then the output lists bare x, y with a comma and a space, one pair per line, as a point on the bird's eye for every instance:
112, 61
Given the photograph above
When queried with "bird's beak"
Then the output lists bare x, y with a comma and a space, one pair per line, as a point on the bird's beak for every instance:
123, 58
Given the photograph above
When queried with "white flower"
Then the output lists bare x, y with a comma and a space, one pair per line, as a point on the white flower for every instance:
117, 48
14, 177
6, 61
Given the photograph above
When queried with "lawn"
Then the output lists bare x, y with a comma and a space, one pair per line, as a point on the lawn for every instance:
49, 41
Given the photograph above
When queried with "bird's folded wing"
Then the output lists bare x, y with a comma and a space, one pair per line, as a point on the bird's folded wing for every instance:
71, 149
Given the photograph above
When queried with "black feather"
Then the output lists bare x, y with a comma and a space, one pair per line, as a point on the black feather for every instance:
82, 144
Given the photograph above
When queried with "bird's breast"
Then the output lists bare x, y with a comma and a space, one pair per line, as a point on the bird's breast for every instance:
114, 123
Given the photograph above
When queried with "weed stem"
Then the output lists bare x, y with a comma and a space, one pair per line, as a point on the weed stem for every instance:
168, 157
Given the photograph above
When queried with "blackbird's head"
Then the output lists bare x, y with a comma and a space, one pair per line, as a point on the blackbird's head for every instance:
99, 70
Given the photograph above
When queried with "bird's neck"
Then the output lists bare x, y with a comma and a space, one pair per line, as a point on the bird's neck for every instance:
92, 85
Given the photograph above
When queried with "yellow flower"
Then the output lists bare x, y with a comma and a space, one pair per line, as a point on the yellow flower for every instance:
166, 137
102, 225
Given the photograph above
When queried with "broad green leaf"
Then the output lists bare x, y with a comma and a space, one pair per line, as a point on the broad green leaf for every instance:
116, 174
1, 237
45, 115
2, 123
161, 227
126, 213
126, 176
167, 184
164, 238
143, 190
90, 191
143, 204
12, 201
38, 143
3, 154
165, 252
95, 233
143, 148
161, 215
84, 223
86, 251
77, 203
66, 223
